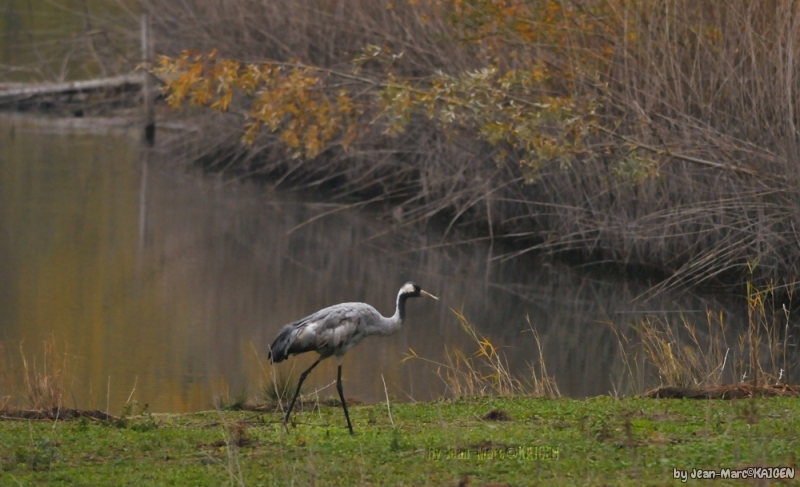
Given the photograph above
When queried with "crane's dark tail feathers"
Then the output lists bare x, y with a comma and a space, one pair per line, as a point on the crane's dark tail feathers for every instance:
279, 351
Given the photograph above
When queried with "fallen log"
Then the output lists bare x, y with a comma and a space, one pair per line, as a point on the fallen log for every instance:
11, 93
55, 414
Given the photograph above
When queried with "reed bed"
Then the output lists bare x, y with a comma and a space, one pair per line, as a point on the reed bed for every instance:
692, 172
688, 359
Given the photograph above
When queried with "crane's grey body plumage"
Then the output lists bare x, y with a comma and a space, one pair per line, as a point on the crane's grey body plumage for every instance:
335, 330
330, 331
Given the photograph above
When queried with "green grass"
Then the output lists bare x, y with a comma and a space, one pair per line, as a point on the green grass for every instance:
600, 441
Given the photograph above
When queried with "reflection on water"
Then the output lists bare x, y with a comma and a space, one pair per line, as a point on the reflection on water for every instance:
176, 283
61, 40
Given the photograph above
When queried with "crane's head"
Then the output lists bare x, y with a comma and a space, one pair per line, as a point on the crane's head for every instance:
412, 290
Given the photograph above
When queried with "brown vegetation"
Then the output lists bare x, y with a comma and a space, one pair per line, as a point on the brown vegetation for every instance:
39, 385
681, 159
44, 386
711, 360
659, 136
486, 371
732, 391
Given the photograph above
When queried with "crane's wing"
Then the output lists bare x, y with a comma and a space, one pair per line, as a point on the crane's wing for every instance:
326, 331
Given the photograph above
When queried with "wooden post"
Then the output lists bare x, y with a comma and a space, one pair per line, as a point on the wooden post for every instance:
147, 82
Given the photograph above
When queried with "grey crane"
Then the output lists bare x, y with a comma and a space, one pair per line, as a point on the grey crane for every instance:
334, 331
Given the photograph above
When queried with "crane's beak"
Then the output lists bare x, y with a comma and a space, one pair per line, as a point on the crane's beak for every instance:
427, 294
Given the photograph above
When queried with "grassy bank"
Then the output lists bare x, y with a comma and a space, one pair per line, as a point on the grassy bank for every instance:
496, 431
599, 441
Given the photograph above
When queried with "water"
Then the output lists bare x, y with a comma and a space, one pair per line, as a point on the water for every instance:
166, 286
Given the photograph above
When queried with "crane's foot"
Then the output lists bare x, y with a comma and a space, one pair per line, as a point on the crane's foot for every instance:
286, 425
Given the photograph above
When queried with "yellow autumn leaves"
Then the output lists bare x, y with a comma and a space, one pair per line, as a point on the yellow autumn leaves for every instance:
291, 100
523, 102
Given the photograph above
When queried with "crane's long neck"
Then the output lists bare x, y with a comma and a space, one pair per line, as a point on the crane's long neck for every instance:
400, 312
392, 324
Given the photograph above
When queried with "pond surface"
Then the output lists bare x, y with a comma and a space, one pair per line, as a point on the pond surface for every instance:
62, 40
165, 286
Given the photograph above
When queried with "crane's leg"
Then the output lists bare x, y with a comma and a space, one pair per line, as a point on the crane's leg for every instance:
341, 396
297, 392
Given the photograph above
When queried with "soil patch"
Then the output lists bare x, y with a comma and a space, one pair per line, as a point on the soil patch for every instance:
731, 391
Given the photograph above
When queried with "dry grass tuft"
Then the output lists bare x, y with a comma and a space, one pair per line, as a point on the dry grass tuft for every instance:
7, 382
710, 359
539, 383
486, 371
45, 383
40, 384
280, 387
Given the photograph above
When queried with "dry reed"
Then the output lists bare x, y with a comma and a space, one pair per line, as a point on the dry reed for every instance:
693, 171
486, 371
687, 356
38, 384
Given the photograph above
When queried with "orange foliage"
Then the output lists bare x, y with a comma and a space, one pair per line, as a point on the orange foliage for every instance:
531, 99
291, 100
